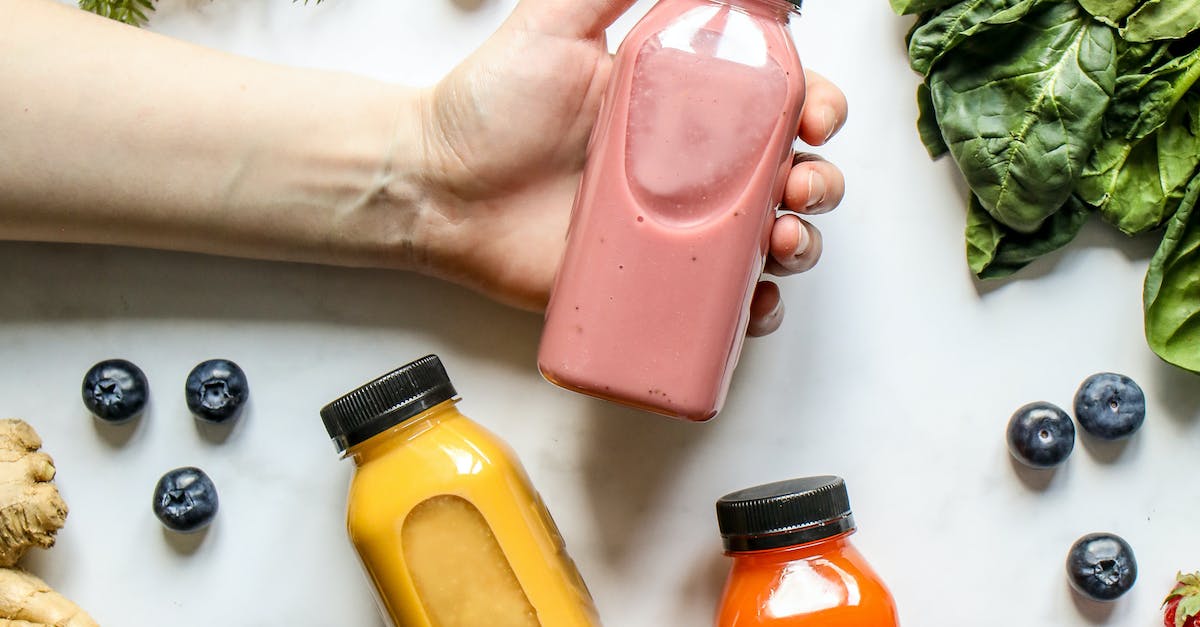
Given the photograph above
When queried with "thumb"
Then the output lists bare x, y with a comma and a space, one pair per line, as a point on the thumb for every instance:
583, 19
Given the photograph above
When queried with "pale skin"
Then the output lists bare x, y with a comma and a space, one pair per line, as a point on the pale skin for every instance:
161, 144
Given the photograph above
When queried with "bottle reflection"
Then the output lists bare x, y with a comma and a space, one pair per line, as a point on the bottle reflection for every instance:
810, 586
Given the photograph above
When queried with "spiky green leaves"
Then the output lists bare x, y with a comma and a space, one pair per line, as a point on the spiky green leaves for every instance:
1187, 591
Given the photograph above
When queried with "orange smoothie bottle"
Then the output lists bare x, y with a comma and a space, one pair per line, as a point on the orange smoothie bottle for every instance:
671, 225
447, 525
793, 563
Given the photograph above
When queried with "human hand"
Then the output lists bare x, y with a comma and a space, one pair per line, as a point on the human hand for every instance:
506, 134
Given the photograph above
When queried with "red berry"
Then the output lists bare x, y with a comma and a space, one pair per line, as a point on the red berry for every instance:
1169, 614
1185, 598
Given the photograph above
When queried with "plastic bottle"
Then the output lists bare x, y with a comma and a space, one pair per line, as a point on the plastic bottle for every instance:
444, 518
671, 225
793, 562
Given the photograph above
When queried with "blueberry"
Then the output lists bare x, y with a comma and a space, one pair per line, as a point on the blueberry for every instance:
1041, 435
115, 390
1101, 566
216, 390
185, 500
1110, 406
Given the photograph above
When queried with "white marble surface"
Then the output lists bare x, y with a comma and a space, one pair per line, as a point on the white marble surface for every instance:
894, 369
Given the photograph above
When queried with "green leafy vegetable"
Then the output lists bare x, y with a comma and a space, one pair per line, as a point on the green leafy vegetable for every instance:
1148, 187
1137, 175
908, 7
1147, 20
1162, 19
995, 251
927, 124
939, 34
1057, 109
1110, 12
1172, 291
132, 12
1145, 99
1021, 107
1134, 58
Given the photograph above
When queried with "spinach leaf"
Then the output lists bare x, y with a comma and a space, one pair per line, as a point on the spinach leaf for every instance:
1172, 292
1150, 185
1162, 19
1144, 100
1110, 12
1135, 58
945, 30
1137, 175
908, 7
984, 235
917, 23
995, 251
1021, 108
927, 124
1147, 20
1103, 166
1140, 69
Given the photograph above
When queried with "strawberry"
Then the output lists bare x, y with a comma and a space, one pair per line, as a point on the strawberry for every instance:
1172, 607
1182, 606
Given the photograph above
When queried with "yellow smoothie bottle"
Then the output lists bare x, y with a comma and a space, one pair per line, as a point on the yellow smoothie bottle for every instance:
448, 527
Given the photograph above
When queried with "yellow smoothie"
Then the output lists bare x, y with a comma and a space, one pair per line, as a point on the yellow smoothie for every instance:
446, 522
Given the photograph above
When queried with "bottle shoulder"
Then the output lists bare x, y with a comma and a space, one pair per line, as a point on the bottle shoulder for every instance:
815, 584
454, 437
431, 459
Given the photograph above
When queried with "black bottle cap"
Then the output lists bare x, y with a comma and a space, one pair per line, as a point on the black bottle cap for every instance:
387, 401
785, 513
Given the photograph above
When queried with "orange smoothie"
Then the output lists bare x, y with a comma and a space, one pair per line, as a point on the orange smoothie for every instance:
672, 220
793, 562
818, 585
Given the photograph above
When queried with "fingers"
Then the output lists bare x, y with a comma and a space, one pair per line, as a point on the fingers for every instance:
813, 186
583, 19
795, 246
825, 110
766, 310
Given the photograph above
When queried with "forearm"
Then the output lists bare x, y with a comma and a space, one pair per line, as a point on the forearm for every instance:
113, 135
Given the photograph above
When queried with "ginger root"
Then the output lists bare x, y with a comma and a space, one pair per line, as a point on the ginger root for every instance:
26, 600
31, 513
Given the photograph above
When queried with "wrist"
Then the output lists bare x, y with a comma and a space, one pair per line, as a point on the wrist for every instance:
429, 183
376, 218
406, 216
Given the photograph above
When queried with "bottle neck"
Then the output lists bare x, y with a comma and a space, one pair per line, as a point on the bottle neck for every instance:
835, 544
782, 10
406, 431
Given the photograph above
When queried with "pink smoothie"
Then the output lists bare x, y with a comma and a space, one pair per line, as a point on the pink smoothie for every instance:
672, 221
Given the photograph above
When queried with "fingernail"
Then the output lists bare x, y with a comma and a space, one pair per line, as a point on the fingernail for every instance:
816, 189
830, 121
771, 318
803, 242
768, 323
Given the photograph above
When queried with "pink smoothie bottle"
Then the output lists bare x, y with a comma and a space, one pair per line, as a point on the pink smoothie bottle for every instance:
671, 225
